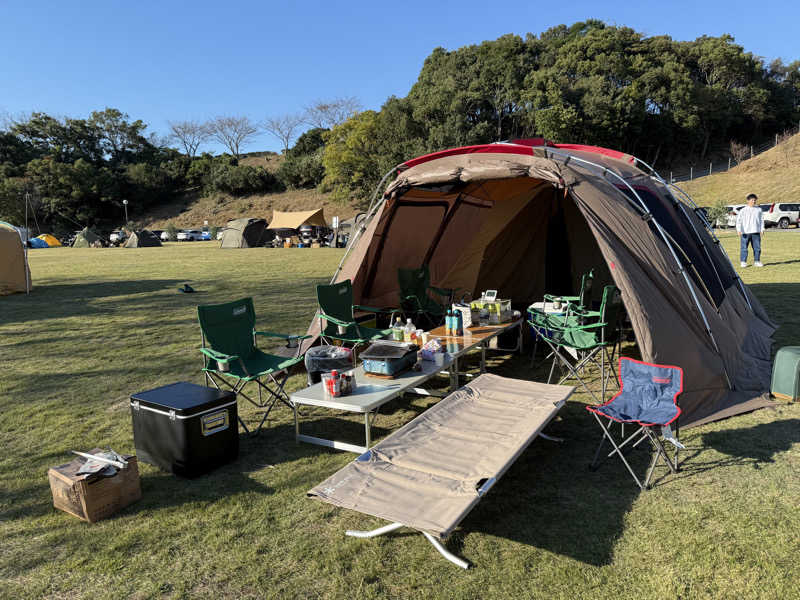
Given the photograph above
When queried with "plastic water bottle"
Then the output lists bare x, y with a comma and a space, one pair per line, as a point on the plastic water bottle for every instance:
409, 331
459, 318
448, 323
397, 330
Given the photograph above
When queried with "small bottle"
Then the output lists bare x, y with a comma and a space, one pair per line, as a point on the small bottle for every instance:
407, 330
459, 323
447, 322
397, 330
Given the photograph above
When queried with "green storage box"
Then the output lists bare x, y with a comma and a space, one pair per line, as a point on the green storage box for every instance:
786, 374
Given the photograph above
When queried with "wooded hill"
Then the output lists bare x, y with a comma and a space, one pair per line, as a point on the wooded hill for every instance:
669, 102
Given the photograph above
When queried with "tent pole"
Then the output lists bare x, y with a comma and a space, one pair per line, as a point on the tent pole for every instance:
643, 208
25, 250
708, 227
725, 254
373, 208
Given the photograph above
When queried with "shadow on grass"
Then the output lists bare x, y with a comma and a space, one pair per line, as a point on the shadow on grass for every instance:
550, 499
755, 445
69, 300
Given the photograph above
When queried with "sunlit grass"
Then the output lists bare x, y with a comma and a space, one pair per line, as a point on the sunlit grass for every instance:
102, 324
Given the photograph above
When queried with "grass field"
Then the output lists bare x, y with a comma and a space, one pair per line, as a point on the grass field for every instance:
102, 324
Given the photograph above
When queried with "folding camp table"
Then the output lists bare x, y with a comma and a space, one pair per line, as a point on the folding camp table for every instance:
370, 394
430, 473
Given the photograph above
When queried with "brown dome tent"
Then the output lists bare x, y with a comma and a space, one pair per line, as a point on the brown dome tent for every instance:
530, 217
15, 275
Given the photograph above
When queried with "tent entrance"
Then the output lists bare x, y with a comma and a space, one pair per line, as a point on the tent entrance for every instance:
521, 236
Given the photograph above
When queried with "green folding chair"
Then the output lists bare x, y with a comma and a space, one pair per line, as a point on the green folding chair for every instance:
336, 318
589, 334
415, 296
232, 358
583, 301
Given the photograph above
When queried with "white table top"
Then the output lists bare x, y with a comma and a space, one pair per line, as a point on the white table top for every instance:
370, 392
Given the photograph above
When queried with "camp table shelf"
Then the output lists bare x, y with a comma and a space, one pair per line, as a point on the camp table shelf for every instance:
477, 336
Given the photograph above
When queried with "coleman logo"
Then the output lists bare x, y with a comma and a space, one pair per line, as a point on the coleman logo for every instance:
239, 310
342, 291
662, 379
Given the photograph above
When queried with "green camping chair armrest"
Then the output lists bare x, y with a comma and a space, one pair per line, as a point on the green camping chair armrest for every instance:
410, 298
554, 298
580, 312
373, 309
282, 336
218, 356
336, 321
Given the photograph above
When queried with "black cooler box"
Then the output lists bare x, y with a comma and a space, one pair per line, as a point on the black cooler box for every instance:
185, 428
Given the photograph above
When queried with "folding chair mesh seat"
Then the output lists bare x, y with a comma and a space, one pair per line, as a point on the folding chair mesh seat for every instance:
415, 298
648, 396
232, 358
336, 308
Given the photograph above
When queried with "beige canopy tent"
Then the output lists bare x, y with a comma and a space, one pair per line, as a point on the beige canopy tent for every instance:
15, 275
293, 220
530, 217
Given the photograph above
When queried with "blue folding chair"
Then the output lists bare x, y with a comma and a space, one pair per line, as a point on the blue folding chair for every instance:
648, 396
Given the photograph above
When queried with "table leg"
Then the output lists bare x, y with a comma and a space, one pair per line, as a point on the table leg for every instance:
296, 425
366, 426
483, 357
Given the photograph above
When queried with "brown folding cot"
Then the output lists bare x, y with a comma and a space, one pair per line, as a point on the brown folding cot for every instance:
429, 474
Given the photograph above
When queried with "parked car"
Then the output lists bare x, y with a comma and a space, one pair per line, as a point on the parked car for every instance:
117, 237
190, 235
780, 214
733, 211
205, 236
164, 236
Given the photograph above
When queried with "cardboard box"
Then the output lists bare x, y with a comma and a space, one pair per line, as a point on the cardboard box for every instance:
91, 497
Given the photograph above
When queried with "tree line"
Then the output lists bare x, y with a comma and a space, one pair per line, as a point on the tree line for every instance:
665, 101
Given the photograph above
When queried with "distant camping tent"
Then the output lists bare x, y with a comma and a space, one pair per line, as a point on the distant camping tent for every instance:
293, 220
85, 238
530, 217
37, 243
50, 240
15, 276
244, 233
142, 239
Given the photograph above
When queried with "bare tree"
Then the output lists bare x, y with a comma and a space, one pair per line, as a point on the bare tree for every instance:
283, 128
190, 134
739, 151
330, 113
232, 132
785, 146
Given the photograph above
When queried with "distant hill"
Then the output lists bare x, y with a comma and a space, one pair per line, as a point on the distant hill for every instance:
772, 176
191, 212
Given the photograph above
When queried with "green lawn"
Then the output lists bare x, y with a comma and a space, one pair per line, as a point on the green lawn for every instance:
102, 324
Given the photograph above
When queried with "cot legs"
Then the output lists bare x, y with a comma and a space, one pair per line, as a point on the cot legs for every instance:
392, 526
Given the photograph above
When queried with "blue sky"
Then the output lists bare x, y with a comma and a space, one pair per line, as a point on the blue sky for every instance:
174, 60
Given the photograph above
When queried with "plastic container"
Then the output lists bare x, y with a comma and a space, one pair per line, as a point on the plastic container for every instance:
409, 331
323, 359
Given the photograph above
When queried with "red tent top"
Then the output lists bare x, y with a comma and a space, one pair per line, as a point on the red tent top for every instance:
516, 147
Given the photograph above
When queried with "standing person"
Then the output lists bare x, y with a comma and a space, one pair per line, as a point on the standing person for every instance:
750, 226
